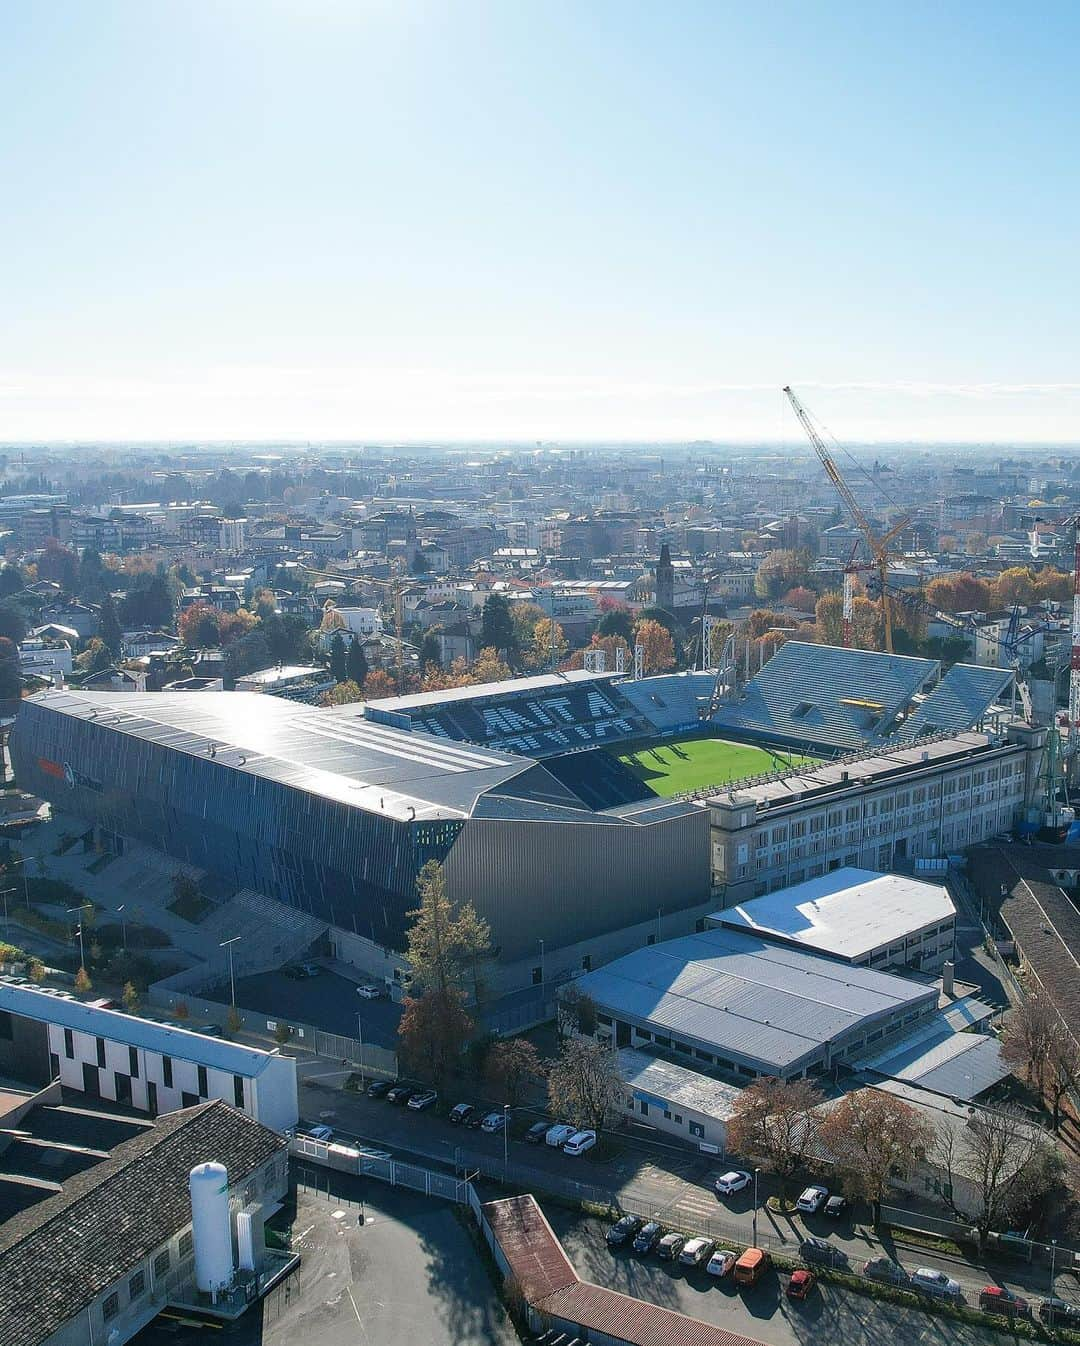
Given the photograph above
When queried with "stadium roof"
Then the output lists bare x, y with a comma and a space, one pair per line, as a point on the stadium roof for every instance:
848, 913
542, 682
826, 695
372, 766
761, 1004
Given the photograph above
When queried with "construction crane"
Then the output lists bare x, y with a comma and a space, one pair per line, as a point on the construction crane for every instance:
877, 546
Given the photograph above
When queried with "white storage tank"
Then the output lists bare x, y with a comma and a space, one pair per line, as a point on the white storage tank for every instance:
209, 1188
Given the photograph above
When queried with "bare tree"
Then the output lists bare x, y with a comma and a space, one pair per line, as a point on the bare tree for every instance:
584, 1083
512, 1065
1026, 1042
999, 1162
1062, 1068
776, 1123
869, 1133
575, 1012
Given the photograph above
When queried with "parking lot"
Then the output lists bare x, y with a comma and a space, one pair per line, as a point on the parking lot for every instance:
829, 1314
410, 1274
327, 1001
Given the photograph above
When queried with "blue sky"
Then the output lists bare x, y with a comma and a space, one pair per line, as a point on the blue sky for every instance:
374, 219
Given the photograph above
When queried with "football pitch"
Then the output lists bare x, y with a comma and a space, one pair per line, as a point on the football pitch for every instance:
696, 763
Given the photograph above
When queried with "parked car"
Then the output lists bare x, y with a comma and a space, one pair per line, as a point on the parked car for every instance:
670, 1247
475, 1120
1059, 1311
836, 1206
579, 1142
885, 1269
461, 1112
751, 1266
493, 1123
996, 1299
812, 1199
696, 1251
624, 1230
648, 1236
370, 991
729, 1183
301, 971
822, 1251
321, 1132
537, 1132
801, 1283
721, 1262
424, 1099
936, 1283
380, 1088
400, 1094
559, 1134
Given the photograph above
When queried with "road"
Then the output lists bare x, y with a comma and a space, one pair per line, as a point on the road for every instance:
674, 1185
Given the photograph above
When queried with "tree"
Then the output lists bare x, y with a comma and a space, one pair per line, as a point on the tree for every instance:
92, 577
344, 694
583, 1083
11, 581
781, 570
575, 1012
524, 617
430, 652
865, 621
379, 683
512, 1065
1051, 586
247, 654
549, 644
657, 644
10, 672
488, 667
198, 626
131, 998
12, 623
446, 949
1015, 585
83, 982
59, 565
800, 598
356, 665
109, 626
869, 1133
338, 658
1039, 1042
497, 626
616, 621
959, 593
775, 1122
997, 1163
433, 1033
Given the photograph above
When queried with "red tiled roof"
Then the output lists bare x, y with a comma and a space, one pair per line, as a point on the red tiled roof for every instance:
549, 1283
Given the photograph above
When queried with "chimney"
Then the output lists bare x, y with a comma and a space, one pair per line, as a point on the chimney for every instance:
948, 973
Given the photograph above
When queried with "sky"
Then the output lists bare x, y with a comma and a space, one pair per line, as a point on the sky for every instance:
537, 220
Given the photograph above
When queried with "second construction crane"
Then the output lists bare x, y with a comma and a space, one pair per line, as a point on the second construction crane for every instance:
878, 547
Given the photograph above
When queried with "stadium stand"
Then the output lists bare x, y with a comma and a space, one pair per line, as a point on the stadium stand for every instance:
670, 703
960, 700
537, 717
823, 696
599, 779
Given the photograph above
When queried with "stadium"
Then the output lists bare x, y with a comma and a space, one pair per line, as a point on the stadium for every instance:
568, 807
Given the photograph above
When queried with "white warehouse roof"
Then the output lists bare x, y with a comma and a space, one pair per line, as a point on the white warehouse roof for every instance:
847, 913
664, 1082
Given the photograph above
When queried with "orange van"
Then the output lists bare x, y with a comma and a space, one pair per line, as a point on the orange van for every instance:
751, 1266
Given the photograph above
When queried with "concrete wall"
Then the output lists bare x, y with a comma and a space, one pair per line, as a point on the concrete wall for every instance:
24, 1055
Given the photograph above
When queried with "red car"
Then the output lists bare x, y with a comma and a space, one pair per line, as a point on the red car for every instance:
996, 1299
800, 1285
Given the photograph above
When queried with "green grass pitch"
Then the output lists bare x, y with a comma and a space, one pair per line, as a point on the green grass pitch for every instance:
697, 763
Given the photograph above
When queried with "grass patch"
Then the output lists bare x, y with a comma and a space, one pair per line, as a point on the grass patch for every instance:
915, 1238
696, 763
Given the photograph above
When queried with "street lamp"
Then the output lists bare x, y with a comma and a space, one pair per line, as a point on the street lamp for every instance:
123, 924
1053, 1264
85, 906
4, 895
756, 1172
11, 865
543, 975
227, 944
506, 1138
360, 1036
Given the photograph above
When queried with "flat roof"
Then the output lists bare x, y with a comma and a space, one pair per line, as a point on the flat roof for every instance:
961, 1065
849, 912
763, 1004
182, 1043
397, 772
667, 1082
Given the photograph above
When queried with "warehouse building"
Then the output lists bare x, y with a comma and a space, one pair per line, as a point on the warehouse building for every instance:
335, 814
857, 916
880, 811
96, 1220
154, 1068
730, 1001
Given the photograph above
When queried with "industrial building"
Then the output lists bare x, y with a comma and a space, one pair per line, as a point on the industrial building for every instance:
152, 1067
878, 811
730, 1001
678, 1102
857, 916
335, 814
103, 1223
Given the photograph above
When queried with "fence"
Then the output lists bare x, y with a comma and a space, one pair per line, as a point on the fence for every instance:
368, 1056
384, 1168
